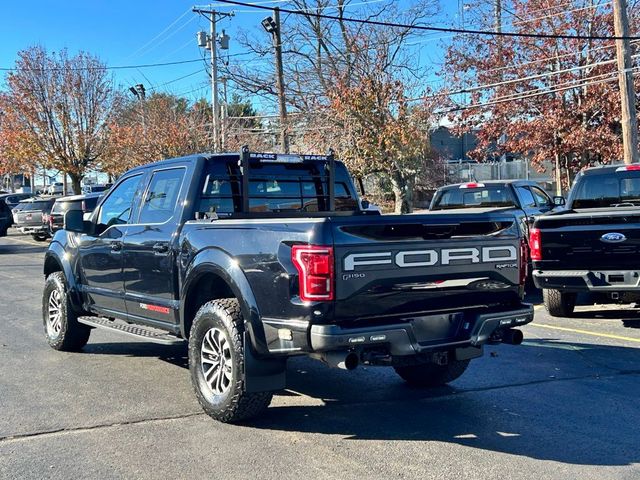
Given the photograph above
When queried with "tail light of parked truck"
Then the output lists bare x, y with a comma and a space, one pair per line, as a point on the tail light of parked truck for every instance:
535, 244
524, 261
316, 278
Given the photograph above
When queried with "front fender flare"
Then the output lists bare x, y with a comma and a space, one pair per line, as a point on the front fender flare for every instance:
57, 253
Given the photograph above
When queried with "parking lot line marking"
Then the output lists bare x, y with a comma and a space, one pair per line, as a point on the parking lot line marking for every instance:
586, 332
27, 242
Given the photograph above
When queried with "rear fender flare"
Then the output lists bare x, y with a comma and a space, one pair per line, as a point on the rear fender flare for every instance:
224, 266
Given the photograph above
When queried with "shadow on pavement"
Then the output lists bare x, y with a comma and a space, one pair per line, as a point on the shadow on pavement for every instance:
10, 248
585, 413
621, 314
631, 323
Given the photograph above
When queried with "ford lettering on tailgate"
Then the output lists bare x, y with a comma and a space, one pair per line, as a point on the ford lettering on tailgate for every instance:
427, 258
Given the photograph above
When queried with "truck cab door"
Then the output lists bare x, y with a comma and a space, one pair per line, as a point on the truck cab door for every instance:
149, 250
100, 253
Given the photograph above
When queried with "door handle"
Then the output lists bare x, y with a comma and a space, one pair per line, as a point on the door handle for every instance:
160, 248
116, 246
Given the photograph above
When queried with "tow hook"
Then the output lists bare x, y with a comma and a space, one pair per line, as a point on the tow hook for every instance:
440, 358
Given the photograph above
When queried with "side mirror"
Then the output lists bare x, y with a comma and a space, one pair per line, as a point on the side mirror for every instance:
365, 204
559, 201
74, 222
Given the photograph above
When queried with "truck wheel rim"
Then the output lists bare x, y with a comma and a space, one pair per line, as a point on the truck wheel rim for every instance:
216, 361
54, 319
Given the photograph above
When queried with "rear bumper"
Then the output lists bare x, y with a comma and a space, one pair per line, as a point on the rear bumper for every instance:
411, 338
588, 280
33, 229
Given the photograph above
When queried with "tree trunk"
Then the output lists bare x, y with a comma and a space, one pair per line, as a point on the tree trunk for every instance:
75, 183
402, 186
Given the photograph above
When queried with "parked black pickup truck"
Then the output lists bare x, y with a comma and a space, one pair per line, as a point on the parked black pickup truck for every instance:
592, 245
253, 258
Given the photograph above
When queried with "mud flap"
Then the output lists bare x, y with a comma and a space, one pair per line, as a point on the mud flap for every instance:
262, 374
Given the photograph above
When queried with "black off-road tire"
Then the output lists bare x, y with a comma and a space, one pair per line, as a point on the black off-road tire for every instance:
558, 303
40, 237
235, 404
431, 374
69, 335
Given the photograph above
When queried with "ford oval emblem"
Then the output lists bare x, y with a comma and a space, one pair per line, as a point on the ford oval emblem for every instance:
613, 237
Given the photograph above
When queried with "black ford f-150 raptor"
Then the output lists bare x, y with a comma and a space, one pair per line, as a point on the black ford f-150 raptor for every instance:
591, 245
253, 258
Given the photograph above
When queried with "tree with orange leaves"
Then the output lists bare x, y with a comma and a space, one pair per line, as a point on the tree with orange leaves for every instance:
375, 129
549, 99
18, 149
61, 104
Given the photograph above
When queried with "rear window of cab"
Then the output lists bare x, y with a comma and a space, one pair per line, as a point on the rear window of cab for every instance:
273, 188
485, 196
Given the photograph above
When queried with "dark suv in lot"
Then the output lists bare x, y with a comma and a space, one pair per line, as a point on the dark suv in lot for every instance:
85, 203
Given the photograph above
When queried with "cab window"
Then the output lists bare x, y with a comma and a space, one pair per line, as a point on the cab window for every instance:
526, 197
542, 198
116, 209
162, 196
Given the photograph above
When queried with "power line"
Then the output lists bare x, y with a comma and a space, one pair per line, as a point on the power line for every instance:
432, 29
551, 15
535, 92
313, 9
178, 79
160, 34
546, 59
526, 95
531, 77
105, 67
543, 9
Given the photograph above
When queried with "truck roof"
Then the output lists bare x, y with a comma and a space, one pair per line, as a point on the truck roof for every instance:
604, 169
493, 182
206, 155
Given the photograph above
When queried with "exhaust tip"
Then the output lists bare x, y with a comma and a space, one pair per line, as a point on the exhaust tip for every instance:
338, 359
351, 361
512, 336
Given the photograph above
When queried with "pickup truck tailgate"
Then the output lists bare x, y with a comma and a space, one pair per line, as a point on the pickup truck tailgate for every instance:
589, 242
423, 263
29, 218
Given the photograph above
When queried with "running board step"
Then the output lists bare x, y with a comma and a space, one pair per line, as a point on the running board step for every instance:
142, 332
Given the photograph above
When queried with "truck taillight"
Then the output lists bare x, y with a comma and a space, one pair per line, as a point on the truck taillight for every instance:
524, 261
629, 168
535, 244
315, 271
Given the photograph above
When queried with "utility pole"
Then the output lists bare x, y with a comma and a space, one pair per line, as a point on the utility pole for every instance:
225, 111
141, 94
629, 118
497, 14
211, 43
272, 26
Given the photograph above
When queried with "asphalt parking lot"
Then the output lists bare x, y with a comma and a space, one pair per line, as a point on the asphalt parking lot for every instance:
562, 405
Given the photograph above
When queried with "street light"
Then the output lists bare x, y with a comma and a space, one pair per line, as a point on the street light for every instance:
138, 91
270, 25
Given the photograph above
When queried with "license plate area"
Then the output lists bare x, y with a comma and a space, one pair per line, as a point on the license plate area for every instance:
436, 328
